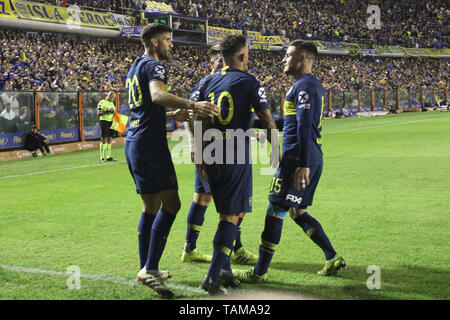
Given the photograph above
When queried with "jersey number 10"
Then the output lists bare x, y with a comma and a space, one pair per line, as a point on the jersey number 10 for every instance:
224, 94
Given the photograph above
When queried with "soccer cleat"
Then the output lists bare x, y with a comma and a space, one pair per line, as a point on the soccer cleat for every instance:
249, 276
111, 159
102, 160
153, 280
242, 256
332, 266
164, 274
195, 256
228, 280
212, 288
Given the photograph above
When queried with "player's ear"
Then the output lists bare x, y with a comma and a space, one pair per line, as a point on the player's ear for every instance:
154, 42
241, 57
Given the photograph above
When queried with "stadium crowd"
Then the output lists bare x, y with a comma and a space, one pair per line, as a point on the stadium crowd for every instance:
410, 23
43, 62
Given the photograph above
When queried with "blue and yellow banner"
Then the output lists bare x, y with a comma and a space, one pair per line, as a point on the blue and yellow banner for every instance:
159, 7
256, 40
5, 10
71, 15
425, 52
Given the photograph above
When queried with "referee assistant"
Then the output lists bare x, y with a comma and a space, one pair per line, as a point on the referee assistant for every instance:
106, 110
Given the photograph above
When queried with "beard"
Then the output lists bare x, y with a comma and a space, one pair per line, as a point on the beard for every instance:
288, 70
163, 54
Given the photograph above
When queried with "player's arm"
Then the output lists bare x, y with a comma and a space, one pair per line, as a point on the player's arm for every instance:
259, 102
199, 144
305, 109
268, 123
164, 98
179, 115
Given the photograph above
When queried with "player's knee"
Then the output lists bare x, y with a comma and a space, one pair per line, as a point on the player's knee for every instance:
202, 199
233, 218
295, 212
172, 206
276, 211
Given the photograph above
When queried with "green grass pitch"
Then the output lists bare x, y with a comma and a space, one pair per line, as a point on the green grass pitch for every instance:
383, 200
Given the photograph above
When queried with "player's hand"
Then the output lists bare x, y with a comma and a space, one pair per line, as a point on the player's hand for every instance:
261, 137
301, 178
206, 109
182, 115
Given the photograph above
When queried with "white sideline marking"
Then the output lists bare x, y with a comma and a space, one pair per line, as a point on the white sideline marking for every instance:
57, 170
387, 125
100, 277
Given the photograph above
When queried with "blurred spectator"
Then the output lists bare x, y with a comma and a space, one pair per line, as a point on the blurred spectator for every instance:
8, 114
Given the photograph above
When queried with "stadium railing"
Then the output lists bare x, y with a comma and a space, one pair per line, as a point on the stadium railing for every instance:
72, 116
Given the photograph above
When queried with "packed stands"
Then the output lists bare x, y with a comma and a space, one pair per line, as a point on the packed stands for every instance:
33, 61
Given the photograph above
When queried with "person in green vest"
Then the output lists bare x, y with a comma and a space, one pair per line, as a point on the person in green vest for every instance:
106, 110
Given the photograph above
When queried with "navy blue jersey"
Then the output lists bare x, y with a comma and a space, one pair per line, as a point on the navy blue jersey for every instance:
236, 92
199, 87
303, 107
148, 119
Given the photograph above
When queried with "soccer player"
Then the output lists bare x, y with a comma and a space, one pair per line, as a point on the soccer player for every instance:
106, 110
147, 151
202, 194
230, 178
296, 179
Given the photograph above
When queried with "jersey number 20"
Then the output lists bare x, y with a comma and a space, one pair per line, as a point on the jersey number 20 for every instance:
132, 85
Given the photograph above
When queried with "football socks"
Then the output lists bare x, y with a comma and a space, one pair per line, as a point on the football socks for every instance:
195, 219
160, 231
238, 244
270, 238
144, 232
315, 231
223, 246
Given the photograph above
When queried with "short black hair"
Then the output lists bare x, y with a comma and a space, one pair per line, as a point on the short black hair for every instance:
232, 44
152, 30
308, 48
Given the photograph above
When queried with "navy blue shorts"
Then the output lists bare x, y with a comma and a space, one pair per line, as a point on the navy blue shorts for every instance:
231, 187
201, 185
152, 170
283, 193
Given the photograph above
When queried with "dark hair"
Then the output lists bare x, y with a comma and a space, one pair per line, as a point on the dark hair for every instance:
152, 30
232, 44
308, 48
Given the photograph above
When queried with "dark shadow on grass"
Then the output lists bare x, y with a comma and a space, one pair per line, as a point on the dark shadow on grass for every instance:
414, 281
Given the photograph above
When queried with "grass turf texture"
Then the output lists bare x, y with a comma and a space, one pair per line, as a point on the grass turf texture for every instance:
382, 200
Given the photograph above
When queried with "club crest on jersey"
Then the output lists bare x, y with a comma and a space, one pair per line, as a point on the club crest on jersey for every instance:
262, 94
293, 198
303, 100
195, 95
160, 72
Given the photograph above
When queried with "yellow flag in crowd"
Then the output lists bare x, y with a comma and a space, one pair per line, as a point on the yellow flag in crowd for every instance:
119, 122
